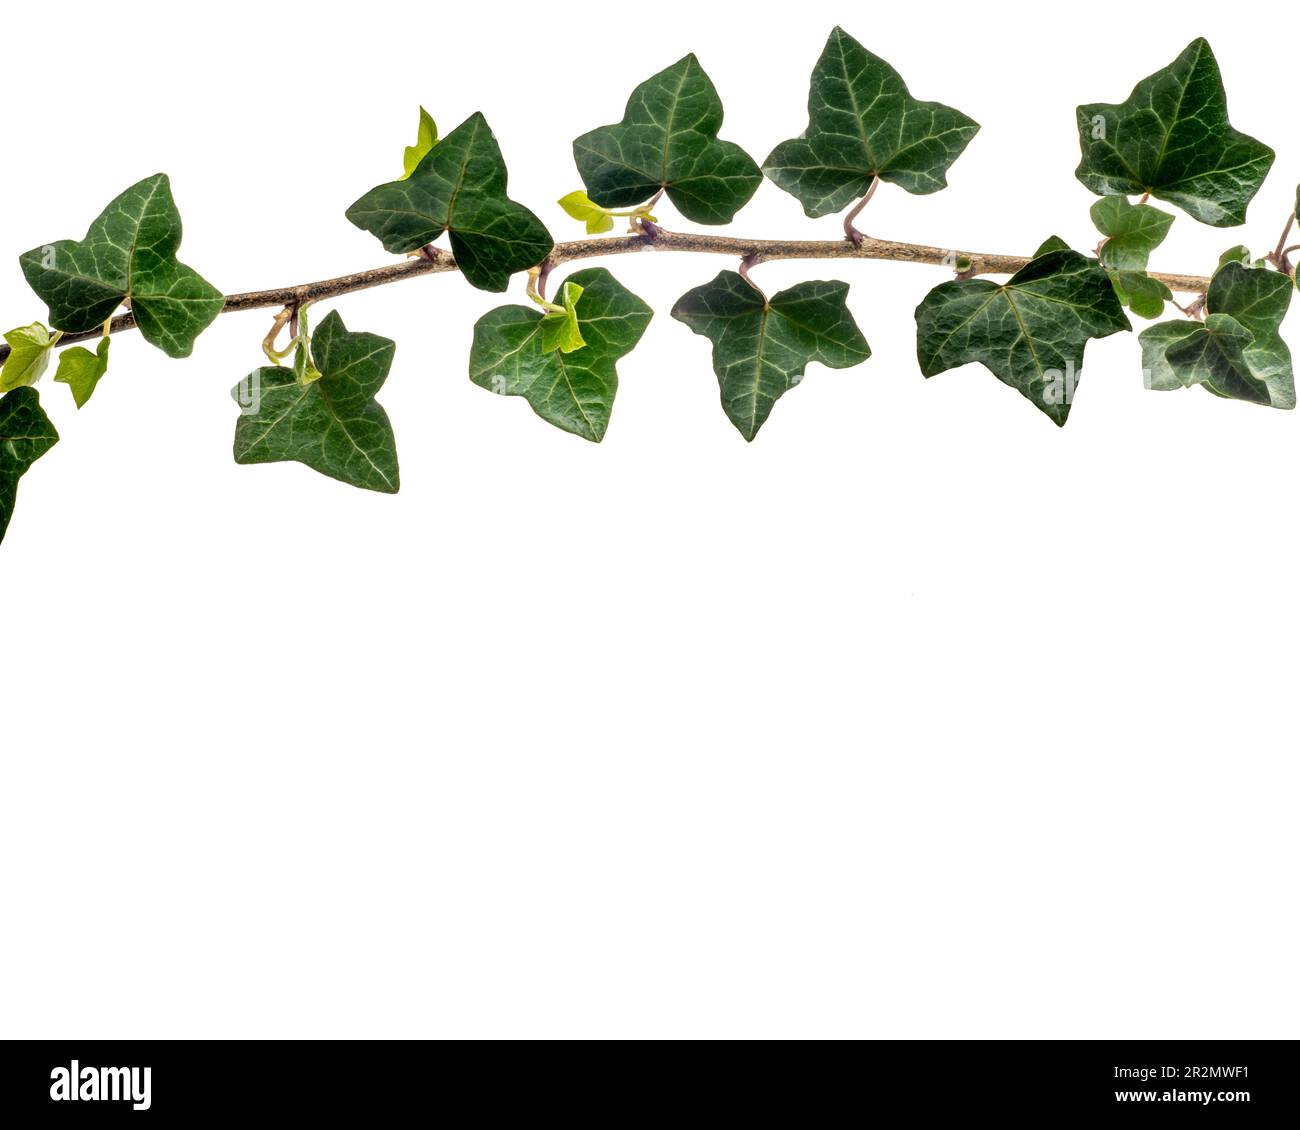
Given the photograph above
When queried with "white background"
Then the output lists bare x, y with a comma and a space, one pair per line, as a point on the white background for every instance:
916, 717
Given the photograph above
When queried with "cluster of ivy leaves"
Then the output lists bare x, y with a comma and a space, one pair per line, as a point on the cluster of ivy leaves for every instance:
1170, 141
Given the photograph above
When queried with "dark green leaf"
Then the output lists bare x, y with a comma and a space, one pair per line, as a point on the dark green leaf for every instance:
1156, 341
1172, 138
332, 424
1212, 354
460, 188
574, 391
761, 348
1132, 232
25, 435
863, 123
1051, 243
81, 370
1259, 300
668, 139
1030, 332
1237, 351
128, 253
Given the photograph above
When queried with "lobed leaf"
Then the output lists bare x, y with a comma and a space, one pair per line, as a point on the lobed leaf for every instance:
1132, 232
25, 435
574, 391
29, 356
128, 254
81, 370
1237, 352
1030, 331
668, 139
864, 123
1172, 138
459, 188
330, 423
581, 207
761, 347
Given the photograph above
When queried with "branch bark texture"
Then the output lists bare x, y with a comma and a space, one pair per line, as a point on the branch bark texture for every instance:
651, 238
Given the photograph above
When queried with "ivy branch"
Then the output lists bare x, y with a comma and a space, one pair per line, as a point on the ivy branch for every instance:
314, 402
651, 237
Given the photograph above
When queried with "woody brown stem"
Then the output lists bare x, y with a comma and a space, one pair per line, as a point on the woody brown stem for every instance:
432, 261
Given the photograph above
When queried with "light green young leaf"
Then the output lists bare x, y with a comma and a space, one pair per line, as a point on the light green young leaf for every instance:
864, 123
1237, 352
761, 348
332, 424
581, 207
1132, 232
574, 391
1172, 138
128, 253
459, 188
81, 370
1030, 331
668, 139
25, 435
560, 328
426, 138
28, 358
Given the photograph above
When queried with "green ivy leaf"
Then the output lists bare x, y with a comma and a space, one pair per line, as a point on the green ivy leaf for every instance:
1239, 254
28, 358
460, 188
1030, 332
1051, 243
574, 391
332, 424
426, 137
560, 328
1172, 138
1211, 354
1142, 294
128, 253
581, 207
761, 347
81, 370
668, 139
1132, 232
25, 435
1259, 300
1237, 352
863, 123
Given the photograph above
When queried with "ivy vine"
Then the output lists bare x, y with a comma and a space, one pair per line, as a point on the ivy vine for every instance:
315, 402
